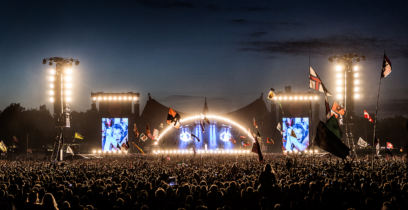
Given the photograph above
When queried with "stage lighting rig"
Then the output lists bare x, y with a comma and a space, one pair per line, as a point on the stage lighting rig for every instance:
348, 88
60, 94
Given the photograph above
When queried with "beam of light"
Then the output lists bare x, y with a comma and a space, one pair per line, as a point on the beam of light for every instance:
210, 117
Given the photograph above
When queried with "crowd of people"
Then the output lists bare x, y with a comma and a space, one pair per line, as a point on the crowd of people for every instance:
205, 182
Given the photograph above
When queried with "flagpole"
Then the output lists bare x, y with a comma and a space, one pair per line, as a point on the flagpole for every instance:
375, 119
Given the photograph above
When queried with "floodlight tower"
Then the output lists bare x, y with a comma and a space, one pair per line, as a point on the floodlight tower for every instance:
347, 89
60, 92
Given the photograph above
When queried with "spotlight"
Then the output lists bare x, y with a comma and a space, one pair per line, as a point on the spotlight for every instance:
99, 151
52, 100
99, 98
53, 71
357, 96
339, 82
339, 89
51, 92
356, 89
93, 98
315, 151
285, 98
339, 67
68, 78
316, 98
134, 98
339, 96
94, 151
68, 71
52, 86
356, 75
68, 85
339, 75
356, 68
356, 82
51, 78
68, 99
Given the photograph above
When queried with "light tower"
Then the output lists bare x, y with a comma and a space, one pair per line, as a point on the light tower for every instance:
347, 89
60, 93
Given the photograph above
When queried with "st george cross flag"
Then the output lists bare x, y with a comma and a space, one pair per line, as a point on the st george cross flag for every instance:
316, 83
386, 67
367, 116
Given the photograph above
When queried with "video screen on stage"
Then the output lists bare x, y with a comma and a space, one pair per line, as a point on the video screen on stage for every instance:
115, 134
295, 132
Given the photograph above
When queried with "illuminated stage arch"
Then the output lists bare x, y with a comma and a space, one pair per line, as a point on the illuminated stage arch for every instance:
210, 117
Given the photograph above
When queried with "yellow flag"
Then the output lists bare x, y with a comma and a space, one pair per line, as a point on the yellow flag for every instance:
3, 146
78, 136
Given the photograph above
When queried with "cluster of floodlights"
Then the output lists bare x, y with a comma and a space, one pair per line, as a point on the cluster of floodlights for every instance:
296, 152
114, 98
341, 82
200, 151
111, 152
291, 97
66, 84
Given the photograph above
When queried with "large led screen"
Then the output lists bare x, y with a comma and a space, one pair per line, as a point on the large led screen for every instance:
295, 132
114, 134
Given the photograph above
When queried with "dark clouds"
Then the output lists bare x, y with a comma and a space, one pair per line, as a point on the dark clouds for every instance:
329, 45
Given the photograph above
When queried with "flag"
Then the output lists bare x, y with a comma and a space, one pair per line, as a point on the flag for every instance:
338, 109
327, 105
78, 136
173, 118
386, 67
389, 145
279, 127
334, 114
271, 141
143, 137
362, 143
316, 83
3, 146
329, 141
333, 125
367, 116
70, 151
256, 148
271, 94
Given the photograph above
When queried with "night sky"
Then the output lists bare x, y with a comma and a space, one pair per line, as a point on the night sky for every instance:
181, 51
